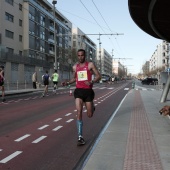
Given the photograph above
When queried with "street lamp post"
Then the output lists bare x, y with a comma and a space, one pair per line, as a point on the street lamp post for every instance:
54, 2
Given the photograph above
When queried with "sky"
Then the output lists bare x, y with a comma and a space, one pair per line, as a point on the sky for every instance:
132, 46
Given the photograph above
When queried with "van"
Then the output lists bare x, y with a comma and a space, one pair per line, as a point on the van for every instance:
150, 81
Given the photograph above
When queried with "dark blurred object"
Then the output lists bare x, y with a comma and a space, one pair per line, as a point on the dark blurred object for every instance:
2, 67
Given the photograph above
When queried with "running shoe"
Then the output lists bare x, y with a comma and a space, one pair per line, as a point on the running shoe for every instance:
80, 141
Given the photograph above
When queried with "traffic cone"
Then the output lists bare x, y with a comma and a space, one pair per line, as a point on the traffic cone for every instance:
70, 93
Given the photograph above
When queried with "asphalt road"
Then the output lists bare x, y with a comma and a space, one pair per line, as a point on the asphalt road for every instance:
40, 133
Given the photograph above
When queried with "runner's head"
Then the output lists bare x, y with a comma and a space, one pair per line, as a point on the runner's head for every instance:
81, 54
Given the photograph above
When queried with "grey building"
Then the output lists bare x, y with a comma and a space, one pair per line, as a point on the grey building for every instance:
104, 61
27, 42
81, 40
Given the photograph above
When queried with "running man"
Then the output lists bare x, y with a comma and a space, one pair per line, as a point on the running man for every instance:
55, 77
82, 75
2, 82
45, 79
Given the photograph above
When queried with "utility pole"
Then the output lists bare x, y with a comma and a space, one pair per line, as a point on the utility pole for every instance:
100, 57
54, 2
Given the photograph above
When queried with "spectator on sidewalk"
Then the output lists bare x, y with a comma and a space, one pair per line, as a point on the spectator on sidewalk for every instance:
55, 77
34, 80
46, 79
2, 79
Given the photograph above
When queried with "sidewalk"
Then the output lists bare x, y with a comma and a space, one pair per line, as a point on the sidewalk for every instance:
136, 138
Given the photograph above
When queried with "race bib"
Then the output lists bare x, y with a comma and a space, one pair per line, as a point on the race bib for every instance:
82, 75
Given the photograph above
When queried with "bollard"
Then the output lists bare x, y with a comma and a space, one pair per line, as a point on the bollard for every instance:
133, 84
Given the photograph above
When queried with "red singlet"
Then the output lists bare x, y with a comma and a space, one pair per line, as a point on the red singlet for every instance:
83, 74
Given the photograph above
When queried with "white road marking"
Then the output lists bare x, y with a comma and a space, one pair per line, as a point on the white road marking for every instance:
75, 110
85, 111
111, 88
126, 88
35, 97
5, 160
0, 149
22, 138
43, 127
11, 101
144, 89
27, 98
39, 139
68, 114
57, 119
57, 128
70, 120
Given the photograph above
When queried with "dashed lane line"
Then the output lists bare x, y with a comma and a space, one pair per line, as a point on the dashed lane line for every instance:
57, 128
8, 158
70, 120
68, 114
57, 120
43, 127
39, 139
22, 138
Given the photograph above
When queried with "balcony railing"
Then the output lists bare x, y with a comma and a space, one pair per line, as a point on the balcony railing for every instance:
7, 57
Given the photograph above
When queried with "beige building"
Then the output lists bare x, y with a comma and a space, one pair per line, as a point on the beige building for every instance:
27, 39
119, 69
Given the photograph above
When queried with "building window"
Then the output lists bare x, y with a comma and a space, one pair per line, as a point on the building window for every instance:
32, 42
42, 33
20, 38
31, 27
20, 53
20, 7
32, 12
10, 50
9, 34
20, 22
11, 2
9, 17
74, 36
42, 19
74, 43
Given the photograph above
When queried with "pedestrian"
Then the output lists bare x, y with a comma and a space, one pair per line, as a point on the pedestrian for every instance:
82, 75
54, 78
34, 80
46, 79
2, 79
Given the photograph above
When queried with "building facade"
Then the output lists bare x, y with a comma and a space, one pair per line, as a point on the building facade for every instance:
104, 60
27, 39
159, 60
81, 41
119, 70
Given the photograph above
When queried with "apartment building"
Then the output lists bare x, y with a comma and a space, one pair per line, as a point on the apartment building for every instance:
119, 69
81, 40
104, 60
160, 58
27, 39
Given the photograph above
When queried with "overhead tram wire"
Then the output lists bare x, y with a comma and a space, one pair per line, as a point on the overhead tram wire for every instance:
101, 15
92, 16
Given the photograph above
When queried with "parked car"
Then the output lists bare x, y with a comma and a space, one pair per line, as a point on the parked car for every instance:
150, 81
